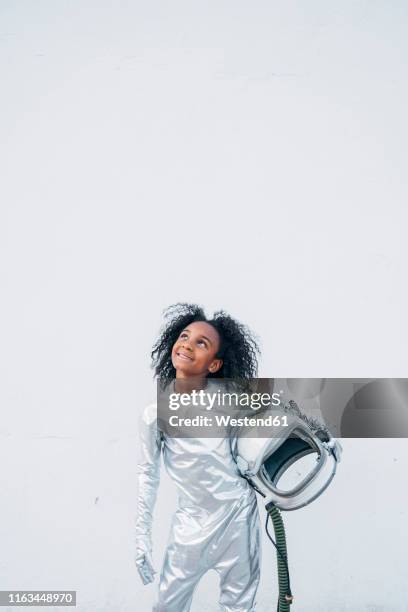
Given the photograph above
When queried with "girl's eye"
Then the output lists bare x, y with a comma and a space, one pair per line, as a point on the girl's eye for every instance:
202, 342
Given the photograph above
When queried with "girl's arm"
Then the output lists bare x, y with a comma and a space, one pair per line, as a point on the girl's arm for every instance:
148, 471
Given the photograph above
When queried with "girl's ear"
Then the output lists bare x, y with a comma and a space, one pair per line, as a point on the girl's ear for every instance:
216, 364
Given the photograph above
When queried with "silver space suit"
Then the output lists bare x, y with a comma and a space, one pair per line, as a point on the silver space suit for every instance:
216, 525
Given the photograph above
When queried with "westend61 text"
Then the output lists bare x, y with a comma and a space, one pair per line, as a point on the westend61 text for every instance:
228, 421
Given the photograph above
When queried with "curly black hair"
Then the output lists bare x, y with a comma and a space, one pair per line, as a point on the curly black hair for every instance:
238, 347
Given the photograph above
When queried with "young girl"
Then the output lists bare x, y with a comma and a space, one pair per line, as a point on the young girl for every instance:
216, 525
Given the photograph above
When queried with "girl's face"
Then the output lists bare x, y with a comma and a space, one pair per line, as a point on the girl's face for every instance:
193, 354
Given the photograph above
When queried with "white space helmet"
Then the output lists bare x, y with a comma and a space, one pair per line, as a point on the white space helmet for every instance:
266, 461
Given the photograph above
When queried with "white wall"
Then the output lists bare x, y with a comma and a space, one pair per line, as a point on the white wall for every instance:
245, 156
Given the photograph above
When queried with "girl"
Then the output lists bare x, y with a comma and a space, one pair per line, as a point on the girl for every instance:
216, 525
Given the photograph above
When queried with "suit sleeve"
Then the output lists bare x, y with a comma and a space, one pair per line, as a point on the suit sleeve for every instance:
148, 471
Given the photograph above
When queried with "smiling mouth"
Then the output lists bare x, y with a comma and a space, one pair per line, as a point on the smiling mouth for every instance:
186, 357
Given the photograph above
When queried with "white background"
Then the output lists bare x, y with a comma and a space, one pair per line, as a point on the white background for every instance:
244, 156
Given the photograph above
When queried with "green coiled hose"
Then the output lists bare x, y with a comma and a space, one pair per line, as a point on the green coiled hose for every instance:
285, 594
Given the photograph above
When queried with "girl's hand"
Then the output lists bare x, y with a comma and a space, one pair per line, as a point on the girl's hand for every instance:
144, 564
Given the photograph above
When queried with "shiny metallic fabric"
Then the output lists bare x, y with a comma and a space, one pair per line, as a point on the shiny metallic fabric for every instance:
216, 525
